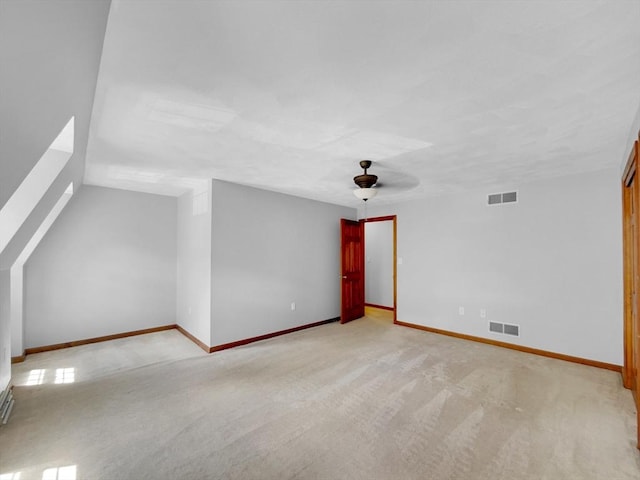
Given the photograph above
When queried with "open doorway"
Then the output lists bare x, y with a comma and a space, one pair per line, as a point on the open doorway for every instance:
354, 270
380, 267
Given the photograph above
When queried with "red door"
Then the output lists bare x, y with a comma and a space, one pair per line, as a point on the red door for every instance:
352, 252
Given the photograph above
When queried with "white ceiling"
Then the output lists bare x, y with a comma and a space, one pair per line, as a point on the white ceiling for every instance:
289, 96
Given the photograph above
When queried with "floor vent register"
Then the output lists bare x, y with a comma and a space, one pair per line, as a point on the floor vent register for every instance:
6, 405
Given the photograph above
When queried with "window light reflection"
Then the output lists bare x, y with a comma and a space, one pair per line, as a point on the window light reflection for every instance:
10, 476
36, 377
60, 473
65, 375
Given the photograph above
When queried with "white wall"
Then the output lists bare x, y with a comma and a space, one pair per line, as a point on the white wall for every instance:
108, 265
551, 263
17, 274
379, 263
194, 263
17, 310
50, 53
270, 250
5, 329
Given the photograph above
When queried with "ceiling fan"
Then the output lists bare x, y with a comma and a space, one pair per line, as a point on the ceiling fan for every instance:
396, 181
366, 182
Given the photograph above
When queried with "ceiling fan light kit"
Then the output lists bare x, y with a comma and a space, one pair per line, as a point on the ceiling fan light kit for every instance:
365, 193
366, 182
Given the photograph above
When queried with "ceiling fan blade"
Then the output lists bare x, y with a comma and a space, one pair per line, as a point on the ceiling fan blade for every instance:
397, 180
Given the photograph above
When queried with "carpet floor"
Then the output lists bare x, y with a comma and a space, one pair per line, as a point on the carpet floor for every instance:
365, 400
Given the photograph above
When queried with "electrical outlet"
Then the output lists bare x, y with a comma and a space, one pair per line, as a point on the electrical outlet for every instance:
483, 313
460, 310
293, 306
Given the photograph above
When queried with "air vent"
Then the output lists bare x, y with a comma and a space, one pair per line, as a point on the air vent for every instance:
6, 405
505, 328
512, 330
495, 198
507, 197
496, 327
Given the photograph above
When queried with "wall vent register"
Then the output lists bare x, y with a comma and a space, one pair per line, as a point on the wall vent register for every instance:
498, 198
504, 328
6, 405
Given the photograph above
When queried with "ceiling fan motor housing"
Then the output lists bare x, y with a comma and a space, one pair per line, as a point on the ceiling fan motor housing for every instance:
365, 180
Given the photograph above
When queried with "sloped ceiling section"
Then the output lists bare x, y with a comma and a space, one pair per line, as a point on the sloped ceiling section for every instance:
49, 58
289, 96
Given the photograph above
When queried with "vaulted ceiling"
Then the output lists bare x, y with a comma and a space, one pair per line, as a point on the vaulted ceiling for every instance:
289, 96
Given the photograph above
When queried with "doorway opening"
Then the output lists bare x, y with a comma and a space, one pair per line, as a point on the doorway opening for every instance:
380, 267
382, 279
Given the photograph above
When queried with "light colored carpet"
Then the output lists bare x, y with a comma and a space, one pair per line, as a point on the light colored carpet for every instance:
366, 400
